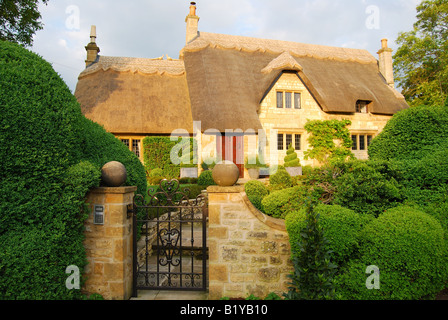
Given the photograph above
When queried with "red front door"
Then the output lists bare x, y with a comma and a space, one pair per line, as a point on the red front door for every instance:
232, 149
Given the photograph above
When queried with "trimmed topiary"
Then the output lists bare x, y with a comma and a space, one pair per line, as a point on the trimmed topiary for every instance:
281, 179
279, 203
408, 247
51, 156
341, 226
206, 179
291, 159
256, 191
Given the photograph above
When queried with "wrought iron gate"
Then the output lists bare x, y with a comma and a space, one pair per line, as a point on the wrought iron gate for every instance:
171, 230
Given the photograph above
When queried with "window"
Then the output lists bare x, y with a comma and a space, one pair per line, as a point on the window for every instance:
289, 100
362, 106
297, 100
361, 142
298, 142
285, 140
280, 145
280, 100
126, 142
133, 145
136, 147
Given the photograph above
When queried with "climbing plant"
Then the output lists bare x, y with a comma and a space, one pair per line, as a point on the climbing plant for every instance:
329, 140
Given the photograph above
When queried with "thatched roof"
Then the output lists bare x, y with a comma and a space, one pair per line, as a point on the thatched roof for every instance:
221, 81
228, 77
136, 96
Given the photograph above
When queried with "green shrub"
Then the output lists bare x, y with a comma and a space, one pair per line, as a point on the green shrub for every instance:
314, 271
281, 179
279, 203
51, 155
341, 226
413, 133
364, 189
206, 179
408, 247
291, 159
256, 191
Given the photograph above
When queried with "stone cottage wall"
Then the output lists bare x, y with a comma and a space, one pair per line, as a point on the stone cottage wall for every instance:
249, 252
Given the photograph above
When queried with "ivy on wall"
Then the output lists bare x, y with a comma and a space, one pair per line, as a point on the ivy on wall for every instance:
330, 140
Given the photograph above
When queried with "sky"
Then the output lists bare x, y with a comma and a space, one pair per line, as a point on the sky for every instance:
150, 28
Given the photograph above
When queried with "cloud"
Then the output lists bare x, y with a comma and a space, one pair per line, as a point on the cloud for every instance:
150, 28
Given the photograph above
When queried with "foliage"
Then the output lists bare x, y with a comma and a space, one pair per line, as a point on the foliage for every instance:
157, 154
408, 247
412, 134
254, 162
313, 274
256, 191
323, 137
364, 189
51, 156
281, 179
189, 158
279, 203
341, 226
206, 179
421, 61
291, 159
19, 20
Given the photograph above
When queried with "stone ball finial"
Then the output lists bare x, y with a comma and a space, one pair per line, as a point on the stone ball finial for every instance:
113, 174
226, 174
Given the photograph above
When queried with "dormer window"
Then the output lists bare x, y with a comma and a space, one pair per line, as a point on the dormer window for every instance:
362, 106
289, 100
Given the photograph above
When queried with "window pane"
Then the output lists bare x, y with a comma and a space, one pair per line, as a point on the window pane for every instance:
288, 100
279, 100
288, 140
297, 101
136, 147
355, 142
362, 142
280, 142
298, 142
126, 142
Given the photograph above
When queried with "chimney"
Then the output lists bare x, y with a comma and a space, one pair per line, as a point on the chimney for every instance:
386, 63
92, 49
192, 21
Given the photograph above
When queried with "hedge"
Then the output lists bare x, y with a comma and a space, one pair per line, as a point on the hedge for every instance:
51, 156
408, 247
279, 203
341, 226
412, 134
256, 191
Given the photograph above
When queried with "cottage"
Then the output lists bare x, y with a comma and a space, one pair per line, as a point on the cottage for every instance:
239, 95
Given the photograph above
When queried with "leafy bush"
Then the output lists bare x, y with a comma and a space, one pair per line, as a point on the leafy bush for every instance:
51, 155
314, 272
279, 203
256, 191
408, 247
412, 134
206, 179
291, 159
366, 190
281, 179
341, 226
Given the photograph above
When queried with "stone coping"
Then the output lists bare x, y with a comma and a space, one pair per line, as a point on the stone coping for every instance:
277, 224
115, 190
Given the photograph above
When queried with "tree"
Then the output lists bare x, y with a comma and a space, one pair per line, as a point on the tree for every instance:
421, 62
19, 20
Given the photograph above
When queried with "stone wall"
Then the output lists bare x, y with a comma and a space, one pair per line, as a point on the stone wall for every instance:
249, 252
109, 246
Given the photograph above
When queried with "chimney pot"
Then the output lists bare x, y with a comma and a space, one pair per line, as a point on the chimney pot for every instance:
192, 8
384, 43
